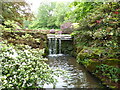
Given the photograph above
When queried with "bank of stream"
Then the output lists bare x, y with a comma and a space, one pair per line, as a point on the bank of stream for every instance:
77, 76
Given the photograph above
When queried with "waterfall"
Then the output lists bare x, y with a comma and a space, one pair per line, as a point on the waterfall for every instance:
60, 46
52, 46
55, 43
55, 46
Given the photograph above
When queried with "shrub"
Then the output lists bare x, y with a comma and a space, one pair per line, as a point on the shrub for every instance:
109, 72
23, 67
67, 27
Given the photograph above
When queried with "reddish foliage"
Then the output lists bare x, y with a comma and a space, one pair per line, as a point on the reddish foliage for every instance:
97, 21
59, 32
52, 31
116, 12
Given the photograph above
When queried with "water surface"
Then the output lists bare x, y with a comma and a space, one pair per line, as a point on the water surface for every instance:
78, 77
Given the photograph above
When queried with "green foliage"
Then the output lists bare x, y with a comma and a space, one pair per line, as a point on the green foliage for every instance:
100, 29
109, 72
16, 11
97, 38
23, 67
86, 54
93, 51
28, 37
85, 62
11, 25
26, 24
50, 15
80, 10
75, 25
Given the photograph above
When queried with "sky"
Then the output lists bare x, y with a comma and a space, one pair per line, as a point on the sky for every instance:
35, 3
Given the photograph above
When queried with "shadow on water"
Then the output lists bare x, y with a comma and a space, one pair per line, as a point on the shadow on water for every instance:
78, 76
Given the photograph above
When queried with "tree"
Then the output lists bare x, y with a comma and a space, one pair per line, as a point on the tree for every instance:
50, 15
16, 11
60, 12
80, 10
45, 13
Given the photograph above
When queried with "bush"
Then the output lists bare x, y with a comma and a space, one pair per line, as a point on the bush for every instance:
109, 72
90, 53
23, 67
66, 27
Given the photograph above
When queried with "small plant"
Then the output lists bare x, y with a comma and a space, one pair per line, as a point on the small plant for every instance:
109, 72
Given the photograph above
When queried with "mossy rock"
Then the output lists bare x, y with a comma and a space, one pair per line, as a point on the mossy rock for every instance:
92, 65
112, 62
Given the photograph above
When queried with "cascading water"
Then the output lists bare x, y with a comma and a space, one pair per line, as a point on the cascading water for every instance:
60, 46
50, 48
53, 46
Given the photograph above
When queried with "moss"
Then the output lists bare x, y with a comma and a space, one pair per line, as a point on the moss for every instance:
90, 53
112, 62
92, 65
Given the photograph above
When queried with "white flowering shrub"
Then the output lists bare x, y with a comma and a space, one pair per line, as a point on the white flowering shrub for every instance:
23, 67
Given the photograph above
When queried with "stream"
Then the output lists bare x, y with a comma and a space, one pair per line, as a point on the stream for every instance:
78, 77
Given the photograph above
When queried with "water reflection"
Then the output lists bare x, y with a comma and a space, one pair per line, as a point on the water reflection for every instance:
78, 77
